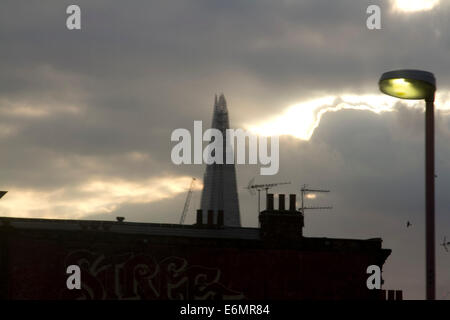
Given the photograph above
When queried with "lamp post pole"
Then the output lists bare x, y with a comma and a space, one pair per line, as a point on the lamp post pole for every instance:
429, 199
418, 85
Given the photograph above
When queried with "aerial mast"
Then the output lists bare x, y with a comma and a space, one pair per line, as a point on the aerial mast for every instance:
304, 191
259, 187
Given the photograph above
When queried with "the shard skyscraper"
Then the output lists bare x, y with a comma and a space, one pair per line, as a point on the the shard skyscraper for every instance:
219, 181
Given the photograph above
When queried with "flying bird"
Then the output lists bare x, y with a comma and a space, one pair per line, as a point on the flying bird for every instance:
445, 244
408, 224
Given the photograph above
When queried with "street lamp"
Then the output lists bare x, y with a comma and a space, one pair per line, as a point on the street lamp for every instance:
417, 84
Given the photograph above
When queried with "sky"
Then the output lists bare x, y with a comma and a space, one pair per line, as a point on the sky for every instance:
86, 115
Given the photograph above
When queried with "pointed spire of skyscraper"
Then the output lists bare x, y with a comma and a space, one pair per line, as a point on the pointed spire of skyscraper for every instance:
222, 101
219, 182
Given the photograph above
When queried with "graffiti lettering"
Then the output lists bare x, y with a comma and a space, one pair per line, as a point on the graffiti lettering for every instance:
140, 276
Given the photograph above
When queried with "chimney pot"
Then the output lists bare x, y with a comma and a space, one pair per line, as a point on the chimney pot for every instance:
292, 201
269, 204
391, 294
199, 217
220, 218
210, 218
281, 202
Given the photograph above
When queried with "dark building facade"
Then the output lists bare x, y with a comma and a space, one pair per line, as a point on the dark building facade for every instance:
125, 260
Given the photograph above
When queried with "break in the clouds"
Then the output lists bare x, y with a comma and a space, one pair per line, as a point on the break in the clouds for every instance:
300, 120
409, 6
86, 116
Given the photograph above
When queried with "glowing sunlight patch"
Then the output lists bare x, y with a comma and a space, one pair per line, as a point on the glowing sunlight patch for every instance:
302, 119
94, 197
414, 5
26, 109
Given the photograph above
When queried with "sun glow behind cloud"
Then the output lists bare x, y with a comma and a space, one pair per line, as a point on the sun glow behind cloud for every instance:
300, 120
93, 197
414, 5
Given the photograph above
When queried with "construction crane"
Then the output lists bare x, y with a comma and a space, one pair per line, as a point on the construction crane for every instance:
304, 190
258, 187
188, 200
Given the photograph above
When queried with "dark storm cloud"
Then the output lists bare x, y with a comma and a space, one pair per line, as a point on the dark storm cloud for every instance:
141, 54
101, 103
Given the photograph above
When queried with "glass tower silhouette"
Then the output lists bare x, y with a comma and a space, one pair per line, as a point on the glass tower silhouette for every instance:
219, 182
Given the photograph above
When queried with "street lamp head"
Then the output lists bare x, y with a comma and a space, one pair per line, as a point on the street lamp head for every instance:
408, 84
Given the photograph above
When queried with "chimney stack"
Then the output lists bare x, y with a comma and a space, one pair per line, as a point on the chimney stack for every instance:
281, 225
213, 220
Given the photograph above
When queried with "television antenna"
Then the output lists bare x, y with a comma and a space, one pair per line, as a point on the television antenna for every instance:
304, 191
259, 187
